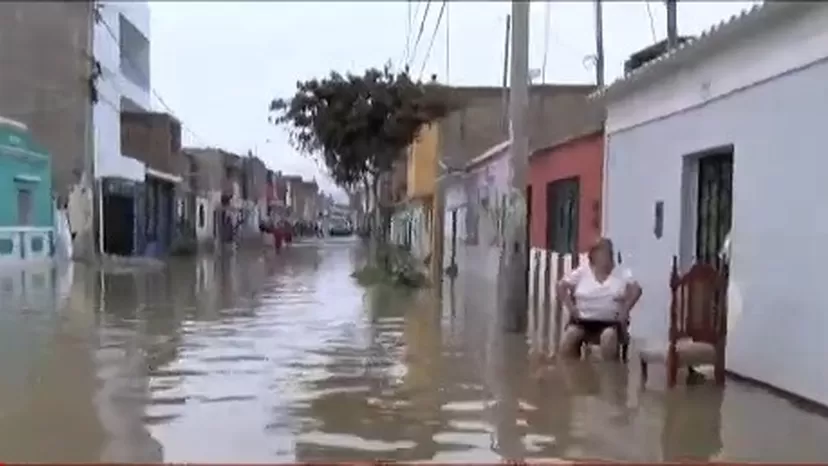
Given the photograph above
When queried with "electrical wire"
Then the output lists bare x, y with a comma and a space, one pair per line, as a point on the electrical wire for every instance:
448, 44
433, 36
419, 34
652, 21
408, 30
547, 20
153, 91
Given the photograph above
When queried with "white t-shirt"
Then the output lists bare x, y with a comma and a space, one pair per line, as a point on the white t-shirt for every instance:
598, 301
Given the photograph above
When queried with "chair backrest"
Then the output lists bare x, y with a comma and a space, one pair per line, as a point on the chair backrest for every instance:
698, 306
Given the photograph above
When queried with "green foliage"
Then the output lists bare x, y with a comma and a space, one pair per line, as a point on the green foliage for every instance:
396, 267
359, 125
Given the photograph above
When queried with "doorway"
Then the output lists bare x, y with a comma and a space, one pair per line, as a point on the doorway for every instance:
714, 205
562, 199
708, 205
453, 237
528, 244
118, 214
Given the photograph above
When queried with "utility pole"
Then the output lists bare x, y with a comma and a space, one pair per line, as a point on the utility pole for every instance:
672, 24
506, 73
513, 266
599, 43
85, 243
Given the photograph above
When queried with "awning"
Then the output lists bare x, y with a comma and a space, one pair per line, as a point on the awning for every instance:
175, 179
16, 141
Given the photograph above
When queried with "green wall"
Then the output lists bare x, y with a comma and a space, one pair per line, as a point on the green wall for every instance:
31, 167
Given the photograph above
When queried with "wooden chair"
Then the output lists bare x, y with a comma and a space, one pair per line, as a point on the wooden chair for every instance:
698, 323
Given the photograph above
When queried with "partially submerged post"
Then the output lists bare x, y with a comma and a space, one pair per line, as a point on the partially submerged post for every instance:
512, 275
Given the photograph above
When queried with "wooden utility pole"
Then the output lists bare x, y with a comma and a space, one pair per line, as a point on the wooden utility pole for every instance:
505, 80
513, 266
599, 43
672, 24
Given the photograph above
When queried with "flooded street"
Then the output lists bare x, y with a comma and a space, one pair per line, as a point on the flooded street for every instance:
265, 358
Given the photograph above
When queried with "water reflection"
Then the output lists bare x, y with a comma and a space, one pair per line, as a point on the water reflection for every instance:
251, 357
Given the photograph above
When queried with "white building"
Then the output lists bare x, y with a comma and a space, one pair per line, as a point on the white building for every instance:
746, 99
122, 47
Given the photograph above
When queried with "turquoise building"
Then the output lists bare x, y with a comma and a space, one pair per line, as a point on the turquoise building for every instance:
26, 207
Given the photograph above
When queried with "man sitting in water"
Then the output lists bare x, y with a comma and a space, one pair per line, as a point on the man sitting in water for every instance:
599, 297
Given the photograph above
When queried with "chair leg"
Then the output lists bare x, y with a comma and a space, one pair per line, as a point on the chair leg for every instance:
672, 373
644, 372
719, 369
719, 375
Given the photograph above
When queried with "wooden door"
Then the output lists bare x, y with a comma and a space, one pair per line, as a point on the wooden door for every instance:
562, 215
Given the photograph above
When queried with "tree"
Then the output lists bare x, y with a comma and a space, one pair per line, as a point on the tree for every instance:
358, 126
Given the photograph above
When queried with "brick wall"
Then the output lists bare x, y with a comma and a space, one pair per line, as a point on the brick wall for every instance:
44, 80
210, 166
556, 113
153, 138
256, 177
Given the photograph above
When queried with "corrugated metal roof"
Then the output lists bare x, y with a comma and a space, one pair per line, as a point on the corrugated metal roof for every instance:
735, 23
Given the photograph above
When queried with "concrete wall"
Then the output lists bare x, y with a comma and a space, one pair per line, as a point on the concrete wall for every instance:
256, 178
583, 158
776, 127
556, 112
44, 47
421, 163
113, 86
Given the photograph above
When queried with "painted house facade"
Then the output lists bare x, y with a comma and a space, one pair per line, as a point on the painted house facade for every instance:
27, 212
564, 193
726, 133
555, 114
144, 218
208, 188
420, 187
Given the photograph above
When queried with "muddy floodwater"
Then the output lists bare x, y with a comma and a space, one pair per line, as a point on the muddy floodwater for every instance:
254, 357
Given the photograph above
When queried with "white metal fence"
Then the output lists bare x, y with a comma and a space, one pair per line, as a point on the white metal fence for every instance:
546, 315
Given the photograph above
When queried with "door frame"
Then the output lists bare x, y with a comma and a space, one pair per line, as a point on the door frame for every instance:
689, 222
552, 206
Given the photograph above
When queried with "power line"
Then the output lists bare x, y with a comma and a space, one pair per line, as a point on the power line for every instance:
419, 34
652, 21
547, 20
448, 44
433, 36
153, 91
408, 30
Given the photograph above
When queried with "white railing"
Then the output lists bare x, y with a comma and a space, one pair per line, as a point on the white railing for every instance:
546, 315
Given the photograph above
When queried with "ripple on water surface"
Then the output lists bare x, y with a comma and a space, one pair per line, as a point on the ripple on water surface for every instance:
251, 358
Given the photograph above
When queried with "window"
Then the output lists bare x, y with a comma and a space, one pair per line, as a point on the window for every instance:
562, 198
151, 211
37, 244
24, 207
6, 246
201, 216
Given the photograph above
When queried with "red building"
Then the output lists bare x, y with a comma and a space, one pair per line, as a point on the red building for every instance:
565, 182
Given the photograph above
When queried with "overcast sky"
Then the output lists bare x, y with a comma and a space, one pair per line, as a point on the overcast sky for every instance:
218, 64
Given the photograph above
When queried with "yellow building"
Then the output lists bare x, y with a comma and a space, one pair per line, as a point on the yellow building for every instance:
421, 168
422, 163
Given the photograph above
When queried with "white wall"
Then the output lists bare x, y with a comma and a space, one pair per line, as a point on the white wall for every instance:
112, 86
205, 231
747, 62
777, 129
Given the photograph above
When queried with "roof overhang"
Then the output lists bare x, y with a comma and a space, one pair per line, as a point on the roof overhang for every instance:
163, 175
749, 22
